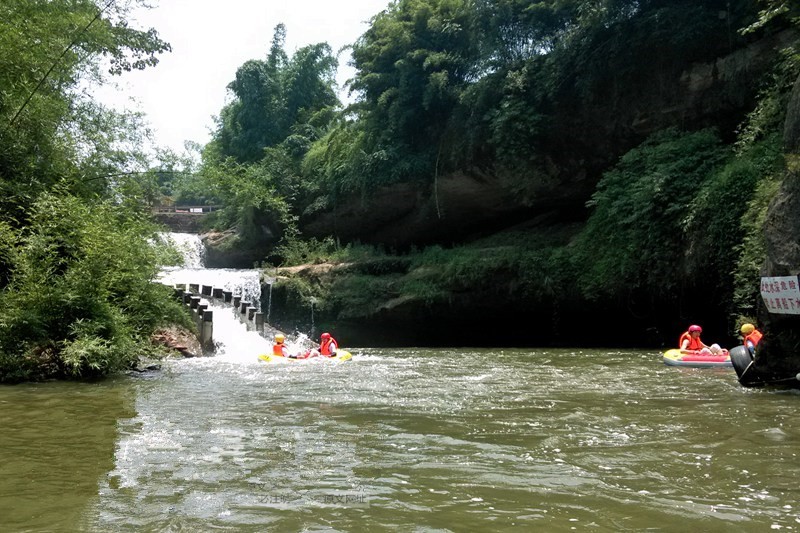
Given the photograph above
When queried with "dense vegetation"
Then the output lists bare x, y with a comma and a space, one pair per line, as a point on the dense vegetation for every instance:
444, 85
513, 89
76, 263
530, 92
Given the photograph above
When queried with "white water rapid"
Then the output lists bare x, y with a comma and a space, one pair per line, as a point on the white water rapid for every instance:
235, 339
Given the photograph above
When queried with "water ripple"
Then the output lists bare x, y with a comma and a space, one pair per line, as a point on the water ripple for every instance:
454, 440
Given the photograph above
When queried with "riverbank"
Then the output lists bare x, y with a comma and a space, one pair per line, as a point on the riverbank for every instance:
515, 288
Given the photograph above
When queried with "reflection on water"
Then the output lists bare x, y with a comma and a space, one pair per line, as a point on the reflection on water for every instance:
411, 440
57, 442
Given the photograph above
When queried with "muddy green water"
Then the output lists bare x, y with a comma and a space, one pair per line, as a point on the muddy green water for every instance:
404, 440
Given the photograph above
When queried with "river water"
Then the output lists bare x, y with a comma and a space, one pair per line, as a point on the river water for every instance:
397, 440
403, 440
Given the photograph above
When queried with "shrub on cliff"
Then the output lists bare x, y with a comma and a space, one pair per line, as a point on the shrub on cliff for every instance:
671, 223
634, 239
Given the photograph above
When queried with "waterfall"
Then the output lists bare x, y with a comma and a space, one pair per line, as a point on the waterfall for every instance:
269, 298
244, 283
190, 246
313, 301
235, 340
241, 282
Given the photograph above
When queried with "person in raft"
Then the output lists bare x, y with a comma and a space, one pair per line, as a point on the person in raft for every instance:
279, 348
690, 343
327, 347
690, 340
750, 337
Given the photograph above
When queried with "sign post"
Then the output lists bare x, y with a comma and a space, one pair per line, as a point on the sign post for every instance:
781, 294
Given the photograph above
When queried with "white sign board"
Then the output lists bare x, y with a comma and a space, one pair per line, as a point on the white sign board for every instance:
781, 294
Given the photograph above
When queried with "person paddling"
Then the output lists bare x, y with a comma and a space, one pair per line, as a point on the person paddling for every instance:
750, 337
690, 340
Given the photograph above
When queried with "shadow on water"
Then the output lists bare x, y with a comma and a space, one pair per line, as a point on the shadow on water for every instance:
57, 442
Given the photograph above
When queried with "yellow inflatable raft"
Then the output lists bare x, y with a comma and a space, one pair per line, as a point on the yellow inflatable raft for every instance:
341, 356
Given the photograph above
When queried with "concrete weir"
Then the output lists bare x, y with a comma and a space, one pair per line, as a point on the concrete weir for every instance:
193, 295
203, 317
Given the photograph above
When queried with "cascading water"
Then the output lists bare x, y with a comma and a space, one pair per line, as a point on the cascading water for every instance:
269, 299
313, 301
190, 246
234, 341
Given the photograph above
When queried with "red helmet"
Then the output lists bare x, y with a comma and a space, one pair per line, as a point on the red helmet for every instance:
695, 327
325, 336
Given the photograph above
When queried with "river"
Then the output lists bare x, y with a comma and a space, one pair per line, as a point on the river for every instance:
397, 440
403, 440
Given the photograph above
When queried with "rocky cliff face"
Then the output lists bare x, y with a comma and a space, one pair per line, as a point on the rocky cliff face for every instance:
584, 144
227, 249
778, 356
442, 211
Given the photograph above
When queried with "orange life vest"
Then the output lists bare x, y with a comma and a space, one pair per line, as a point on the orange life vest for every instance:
279, 350
325, 347
754, 337
694, 344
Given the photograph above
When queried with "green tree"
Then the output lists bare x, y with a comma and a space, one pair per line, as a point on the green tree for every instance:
76, 263
412, 65
81, 299
272, 96
281, 105
48, 129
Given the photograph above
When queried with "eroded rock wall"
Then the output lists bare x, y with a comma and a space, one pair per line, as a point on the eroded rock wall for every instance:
778, 354
583, 143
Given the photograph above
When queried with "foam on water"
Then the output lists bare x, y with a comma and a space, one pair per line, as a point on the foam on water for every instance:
234, 343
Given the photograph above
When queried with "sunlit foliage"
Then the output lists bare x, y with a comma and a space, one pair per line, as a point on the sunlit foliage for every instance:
76, 297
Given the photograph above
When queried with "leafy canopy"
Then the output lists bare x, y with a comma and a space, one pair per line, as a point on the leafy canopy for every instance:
76, 263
